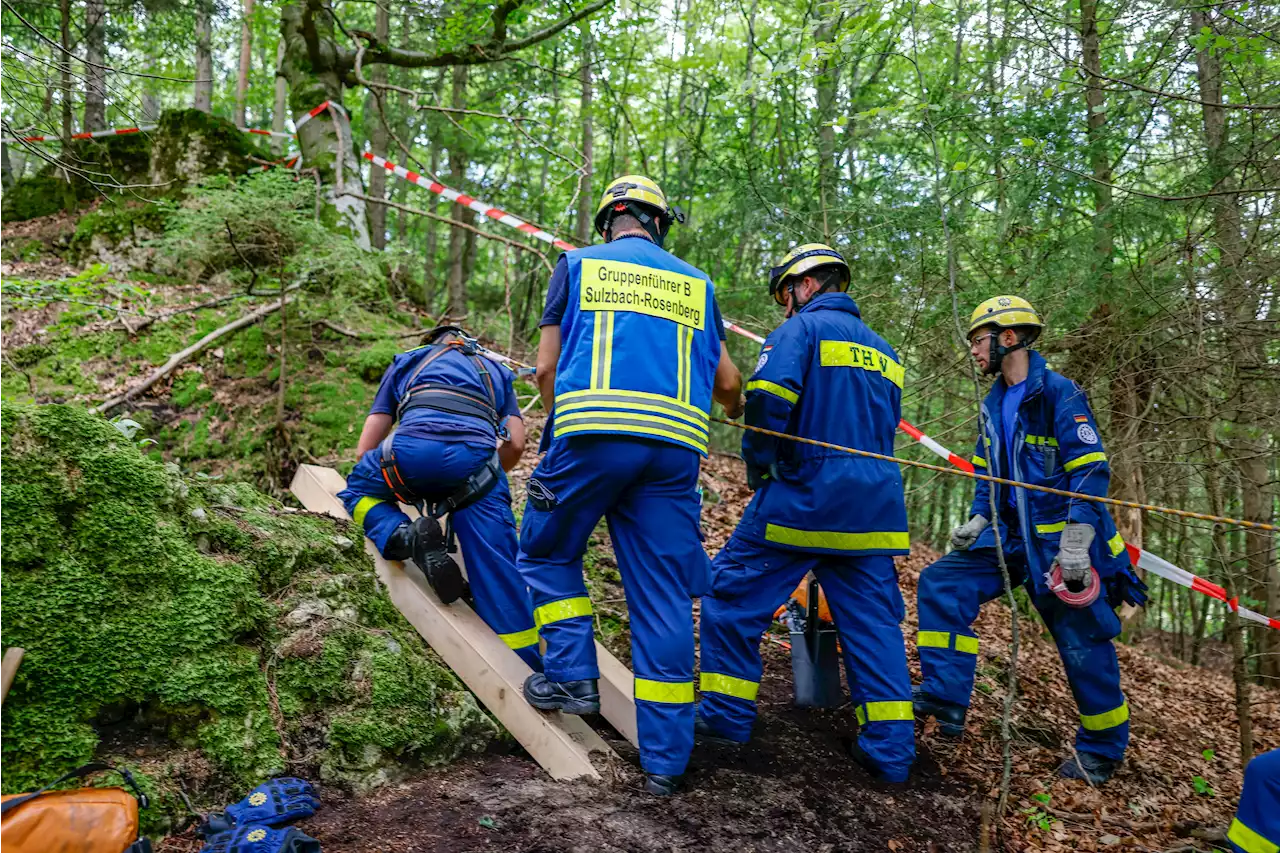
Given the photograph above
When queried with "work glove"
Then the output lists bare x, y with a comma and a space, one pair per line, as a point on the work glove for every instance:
272, 803
1073, 555
1125, 587
735, 411
963, 537
261, 839
759, 475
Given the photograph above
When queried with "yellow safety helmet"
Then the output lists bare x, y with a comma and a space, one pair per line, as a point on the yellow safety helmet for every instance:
804, 259
1006, 312
642, 198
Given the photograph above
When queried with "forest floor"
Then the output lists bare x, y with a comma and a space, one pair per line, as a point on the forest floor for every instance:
792, 788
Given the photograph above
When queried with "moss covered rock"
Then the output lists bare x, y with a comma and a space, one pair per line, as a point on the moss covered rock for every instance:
189, 145
239, 635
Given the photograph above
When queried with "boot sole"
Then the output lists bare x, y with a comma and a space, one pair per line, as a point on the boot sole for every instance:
576, 707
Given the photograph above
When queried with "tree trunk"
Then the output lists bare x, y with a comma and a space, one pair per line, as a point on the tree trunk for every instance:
203, 94
1245, 339
281, 105
95, 74
325, 141
376, 123
457, 310
827, 83
68, 193
246, 62
7, 178
582, 231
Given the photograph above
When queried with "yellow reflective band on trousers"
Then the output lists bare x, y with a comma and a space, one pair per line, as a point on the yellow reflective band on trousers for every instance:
942, 640
834, 540
362, 509
565, 608
1081, 461
1056, 527
883, 712
668, 692
1248, 840
728, 685
1106, 720
1116, 544
774, 389
849, 354
520, 639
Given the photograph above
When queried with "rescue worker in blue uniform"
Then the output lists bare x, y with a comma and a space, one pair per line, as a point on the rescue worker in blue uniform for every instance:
824, 375
1035, 427
1256, 827
630, 358
459, 429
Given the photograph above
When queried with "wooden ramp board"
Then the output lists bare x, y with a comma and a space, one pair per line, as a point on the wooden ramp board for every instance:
560, 743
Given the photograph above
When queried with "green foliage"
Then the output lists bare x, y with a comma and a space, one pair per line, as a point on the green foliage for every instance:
1202, 787
38, 195
141, 594
91, 293
266, 223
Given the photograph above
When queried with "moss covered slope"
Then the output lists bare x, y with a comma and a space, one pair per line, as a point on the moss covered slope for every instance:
202, 615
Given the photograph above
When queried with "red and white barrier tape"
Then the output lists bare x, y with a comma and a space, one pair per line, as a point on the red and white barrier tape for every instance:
467, 201
1163, 568
315, 111
121, 131
958, 461
291, 163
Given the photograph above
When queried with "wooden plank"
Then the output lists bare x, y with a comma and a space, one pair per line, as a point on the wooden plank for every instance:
562, 744
9, 669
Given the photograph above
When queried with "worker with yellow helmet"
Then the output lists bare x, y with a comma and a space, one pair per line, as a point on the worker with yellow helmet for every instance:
631, 356
1035, 427
823, 375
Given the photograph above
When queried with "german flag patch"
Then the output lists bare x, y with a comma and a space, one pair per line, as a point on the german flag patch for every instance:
1082, 419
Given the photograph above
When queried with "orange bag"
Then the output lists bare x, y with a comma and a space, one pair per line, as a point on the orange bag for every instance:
83, 820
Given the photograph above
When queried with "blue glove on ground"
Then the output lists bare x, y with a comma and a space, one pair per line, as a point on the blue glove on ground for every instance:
261, 839
1124, 587
274, 802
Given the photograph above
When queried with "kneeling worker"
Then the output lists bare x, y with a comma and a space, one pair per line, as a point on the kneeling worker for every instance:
459, 430
823, 375
1036, 427
642, 356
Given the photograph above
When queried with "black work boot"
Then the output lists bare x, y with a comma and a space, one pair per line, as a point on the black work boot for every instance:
660, 785
571, 697
949, 715
705, 733
859, 755
399, 544
428, 544
1094, 769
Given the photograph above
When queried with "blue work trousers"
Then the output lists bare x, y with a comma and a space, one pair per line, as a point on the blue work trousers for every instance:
647, 490
954, 588
486, 530
750, 582
1256, 827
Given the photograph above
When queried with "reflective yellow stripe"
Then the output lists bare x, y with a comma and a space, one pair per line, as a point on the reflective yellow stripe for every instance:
1056, 527
362, 509
1087, 459
602, 349
684, 361
520, 639
565, 608
968, 645
714, 682
1105, 720
774, 389
670, 692
614, 394
607, 407
1116, 544
1042, 440
619, 425
933, 640
608, 349
697, 432
849, 354
979, 462
834, 540
1248, 840
652, 403
883, 712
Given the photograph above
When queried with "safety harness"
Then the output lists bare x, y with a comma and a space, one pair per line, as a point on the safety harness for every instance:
447, 398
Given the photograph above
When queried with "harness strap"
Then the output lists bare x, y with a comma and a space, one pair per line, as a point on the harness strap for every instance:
83, 770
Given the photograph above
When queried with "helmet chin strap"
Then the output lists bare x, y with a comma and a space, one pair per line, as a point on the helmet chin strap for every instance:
795, 302
997, 351
647, 221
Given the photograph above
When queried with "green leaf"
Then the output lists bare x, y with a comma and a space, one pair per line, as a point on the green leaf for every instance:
1042, 798
1208, 755
1028, 142
960, 166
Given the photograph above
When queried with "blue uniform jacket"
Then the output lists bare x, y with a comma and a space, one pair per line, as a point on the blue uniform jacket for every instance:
1056, 444
824, 375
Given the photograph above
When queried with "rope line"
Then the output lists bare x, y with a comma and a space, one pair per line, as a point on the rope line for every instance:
1181, 513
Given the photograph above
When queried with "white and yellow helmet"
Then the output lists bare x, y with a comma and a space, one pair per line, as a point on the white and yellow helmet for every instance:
640, 196
803, 259
1006, 312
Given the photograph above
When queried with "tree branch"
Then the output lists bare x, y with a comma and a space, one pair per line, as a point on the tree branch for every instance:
495, 49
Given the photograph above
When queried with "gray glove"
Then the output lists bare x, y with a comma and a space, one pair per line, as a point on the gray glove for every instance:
1073, 554
963, 537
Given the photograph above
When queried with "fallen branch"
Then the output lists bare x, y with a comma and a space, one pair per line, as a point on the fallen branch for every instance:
346, 333
147, 320
179, 358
